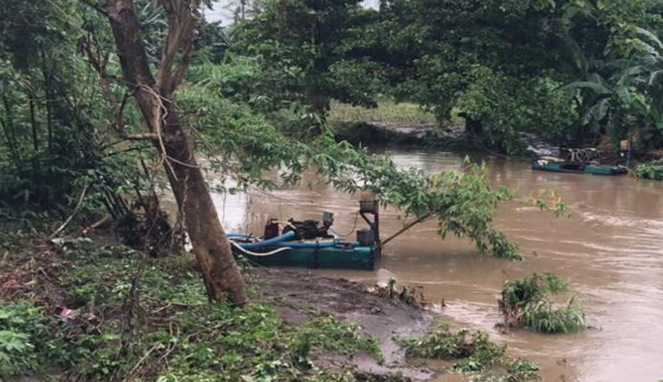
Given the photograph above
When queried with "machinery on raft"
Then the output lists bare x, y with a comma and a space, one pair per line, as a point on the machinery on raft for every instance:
310, 244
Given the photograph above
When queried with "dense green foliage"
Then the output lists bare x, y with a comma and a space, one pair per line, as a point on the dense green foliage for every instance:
564, 70
310, 51
653, 171
473, 353
21, 330
528, 303
54, 123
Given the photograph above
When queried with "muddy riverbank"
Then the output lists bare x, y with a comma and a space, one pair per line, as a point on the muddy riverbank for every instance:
433, 136
296, 293
384, 133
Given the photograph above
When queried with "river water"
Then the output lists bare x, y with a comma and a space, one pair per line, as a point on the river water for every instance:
609, 250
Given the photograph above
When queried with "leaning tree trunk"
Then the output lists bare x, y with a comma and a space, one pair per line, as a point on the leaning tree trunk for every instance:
155, 99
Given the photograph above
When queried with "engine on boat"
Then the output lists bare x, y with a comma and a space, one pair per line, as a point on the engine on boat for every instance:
304, 230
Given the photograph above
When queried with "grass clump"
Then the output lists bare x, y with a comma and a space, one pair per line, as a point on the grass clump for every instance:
515, 370
473, 350
529, 303
387, 111
473, 353
328, 333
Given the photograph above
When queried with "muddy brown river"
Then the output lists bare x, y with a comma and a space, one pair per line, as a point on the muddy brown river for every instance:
610, 251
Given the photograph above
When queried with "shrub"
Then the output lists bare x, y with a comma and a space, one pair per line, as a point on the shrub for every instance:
21, 329
473, 353
653, 171
528, 303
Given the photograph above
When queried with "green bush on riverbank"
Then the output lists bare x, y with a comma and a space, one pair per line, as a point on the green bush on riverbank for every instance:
652, 170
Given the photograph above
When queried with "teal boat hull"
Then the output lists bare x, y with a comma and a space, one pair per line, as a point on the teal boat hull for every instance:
573, 168
605, 170
337, 257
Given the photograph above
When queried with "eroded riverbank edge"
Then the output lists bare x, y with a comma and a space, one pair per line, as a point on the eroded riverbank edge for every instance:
296, 293
452, 138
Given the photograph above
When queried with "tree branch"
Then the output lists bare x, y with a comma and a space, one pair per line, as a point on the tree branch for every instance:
99, 67
71, 217
181, 23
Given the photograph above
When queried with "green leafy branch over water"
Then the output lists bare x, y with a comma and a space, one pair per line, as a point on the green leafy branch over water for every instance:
463, 203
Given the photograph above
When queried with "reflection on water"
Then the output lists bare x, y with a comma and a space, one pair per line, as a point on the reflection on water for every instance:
610, 251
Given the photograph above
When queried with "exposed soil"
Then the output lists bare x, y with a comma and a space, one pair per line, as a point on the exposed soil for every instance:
295, 293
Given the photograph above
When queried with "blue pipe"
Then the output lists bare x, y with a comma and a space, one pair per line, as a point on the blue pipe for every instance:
327, 244
267, 243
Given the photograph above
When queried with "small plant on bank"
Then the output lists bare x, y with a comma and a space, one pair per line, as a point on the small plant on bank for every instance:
517, 370
474, 348
328, 333
21, 327
529, 303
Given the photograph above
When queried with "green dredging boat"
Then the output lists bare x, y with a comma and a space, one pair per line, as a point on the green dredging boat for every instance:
306, 244
554, 165
320, 254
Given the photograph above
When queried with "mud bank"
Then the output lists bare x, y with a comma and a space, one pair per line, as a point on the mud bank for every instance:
295, 294
451, 138
373, 133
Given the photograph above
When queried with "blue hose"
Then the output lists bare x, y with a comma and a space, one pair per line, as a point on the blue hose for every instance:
270, 242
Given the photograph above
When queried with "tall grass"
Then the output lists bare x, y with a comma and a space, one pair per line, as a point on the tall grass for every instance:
530, 303
546, 317
387, 111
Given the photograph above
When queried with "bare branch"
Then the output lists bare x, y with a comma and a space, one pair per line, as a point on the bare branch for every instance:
76, 209
141, 137
106, 90
181, 23
183, 66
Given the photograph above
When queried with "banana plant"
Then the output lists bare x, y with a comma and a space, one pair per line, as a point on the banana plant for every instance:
608, 91
647, 51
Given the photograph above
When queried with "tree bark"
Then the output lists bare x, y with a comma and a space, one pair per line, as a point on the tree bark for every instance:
208, 238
